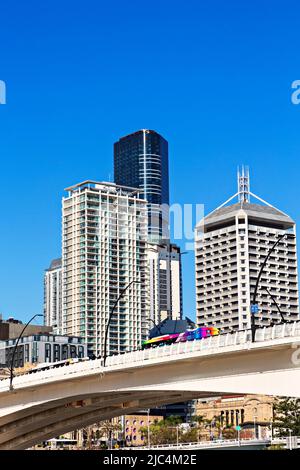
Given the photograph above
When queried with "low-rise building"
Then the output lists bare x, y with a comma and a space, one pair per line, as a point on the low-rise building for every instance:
12, 328
133, 426
253, 413
41, 348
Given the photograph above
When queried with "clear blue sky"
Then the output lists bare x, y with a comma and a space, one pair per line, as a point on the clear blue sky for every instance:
213, 77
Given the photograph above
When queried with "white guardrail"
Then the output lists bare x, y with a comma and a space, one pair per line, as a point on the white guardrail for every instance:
206, 444
223, 443
230, 339
206, 345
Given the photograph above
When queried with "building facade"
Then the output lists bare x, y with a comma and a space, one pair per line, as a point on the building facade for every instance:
141, 161
165, 282
104, 249
53, 296
231, 244
253, 413
135, 426
41, 348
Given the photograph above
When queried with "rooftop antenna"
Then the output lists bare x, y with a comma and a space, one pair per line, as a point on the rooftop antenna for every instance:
243, 193
243, 184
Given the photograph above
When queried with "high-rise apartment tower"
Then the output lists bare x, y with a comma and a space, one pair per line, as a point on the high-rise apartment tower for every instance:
231, 243
165, 282
53, 296
104, 249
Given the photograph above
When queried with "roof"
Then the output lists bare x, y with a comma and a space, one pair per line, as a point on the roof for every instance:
104, 185
55, 264
168, 326
257, 211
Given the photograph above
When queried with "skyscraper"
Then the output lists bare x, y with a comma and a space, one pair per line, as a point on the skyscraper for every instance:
53, 296
104, 249
232, 242
165, 283
141, 161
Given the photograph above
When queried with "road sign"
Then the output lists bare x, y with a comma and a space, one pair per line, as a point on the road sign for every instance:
254, 308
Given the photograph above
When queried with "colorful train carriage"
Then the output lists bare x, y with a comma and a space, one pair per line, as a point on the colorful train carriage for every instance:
159, 340
198, 333
189, 335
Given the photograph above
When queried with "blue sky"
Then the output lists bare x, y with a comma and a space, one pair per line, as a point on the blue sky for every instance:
214, 78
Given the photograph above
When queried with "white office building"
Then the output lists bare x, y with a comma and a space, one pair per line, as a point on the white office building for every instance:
104, 249
53, 296
231, 243
165, 282
40, 348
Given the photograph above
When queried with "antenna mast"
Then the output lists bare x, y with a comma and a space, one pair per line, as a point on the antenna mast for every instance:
243, 184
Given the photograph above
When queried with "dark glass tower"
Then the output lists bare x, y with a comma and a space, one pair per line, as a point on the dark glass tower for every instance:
141, 161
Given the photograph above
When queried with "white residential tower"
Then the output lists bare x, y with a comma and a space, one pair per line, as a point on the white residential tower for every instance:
104, 249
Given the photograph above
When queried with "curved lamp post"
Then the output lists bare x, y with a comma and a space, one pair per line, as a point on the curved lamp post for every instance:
15, 349
111, 315
254, 306
283, 320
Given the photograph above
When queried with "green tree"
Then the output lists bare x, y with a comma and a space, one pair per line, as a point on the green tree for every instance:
202, 425
287, 416
164, 431
190, 435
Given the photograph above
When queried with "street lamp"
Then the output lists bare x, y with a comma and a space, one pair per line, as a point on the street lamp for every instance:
254, 306
290, 439
283, 320
15, 349
177, 434
111, 315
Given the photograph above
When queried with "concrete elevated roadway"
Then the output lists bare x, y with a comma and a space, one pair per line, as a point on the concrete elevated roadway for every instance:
48, 403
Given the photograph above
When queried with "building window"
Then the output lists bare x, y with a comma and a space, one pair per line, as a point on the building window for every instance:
56, 349
34, 352
64, 354
47, 352
73, 352
26, 353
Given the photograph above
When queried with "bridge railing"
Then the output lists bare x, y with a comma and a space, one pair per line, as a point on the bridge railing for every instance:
213, 344
214, 443
242, 337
